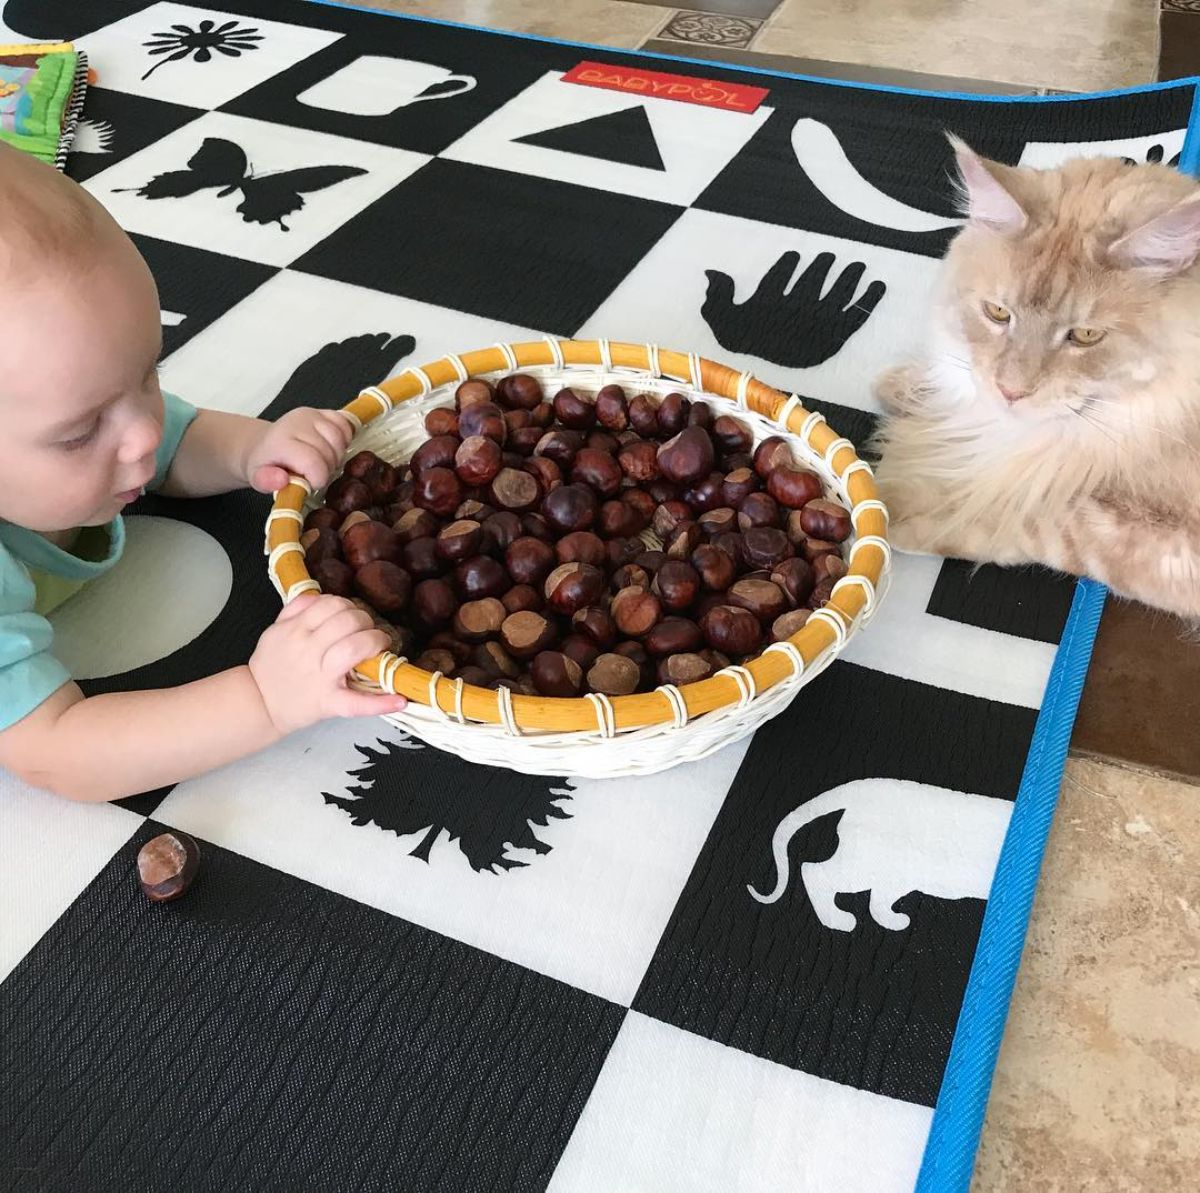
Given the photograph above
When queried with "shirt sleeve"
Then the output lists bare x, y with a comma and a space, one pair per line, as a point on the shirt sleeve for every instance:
29, 673
178, 416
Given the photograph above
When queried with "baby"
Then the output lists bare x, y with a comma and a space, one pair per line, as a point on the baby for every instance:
84, 428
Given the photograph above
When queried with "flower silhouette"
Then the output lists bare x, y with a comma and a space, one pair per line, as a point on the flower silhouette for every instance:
185, 42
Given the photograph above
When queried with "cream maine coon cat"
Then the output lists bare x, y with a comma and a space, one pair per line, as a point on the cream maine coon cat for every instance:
1055, 415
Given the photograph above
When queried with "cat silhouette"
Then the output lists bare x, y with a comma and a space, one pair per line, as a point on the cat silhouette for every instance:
895, 837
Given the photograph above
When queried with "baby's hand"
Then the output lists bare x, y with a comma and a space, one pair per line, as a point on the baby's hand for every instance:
300, 663
303, 442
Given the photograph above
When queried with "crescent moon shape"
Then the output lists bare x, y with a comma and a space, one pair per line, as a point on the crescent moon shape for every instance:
822, 158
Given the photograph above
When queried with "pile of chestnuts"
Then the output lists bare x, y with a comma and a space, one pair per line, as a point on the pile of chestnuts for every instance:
602, 543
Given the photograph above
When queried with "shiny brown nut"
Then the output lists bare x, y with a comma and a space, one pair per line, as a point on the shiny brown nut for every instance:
353, 518
673, 635
764, 599
495, 660
476, 511
621, 551
706, 494
738, 485
758, 509
420, 559
700, 415
545, 471
786, 625
722, 520
438, 452
445, 640
731, 435
714, 567
521, 598
813, 549
629, 575
560, 446
651, 560
519, 391
167, 866
612, 410
401, 502
582, 546
516, 420
473, 391
595, 623
673, 414
829, 567
524, 440
477, 620
635, 611
526, 633
638, 461
822, 519
346, 494
514, 489
581, 649
683, 540
642, 504
598, 470
323, 518
500, 531
554, 674
384, 585
707, 602
683, 668
573, 410
570, 507
614, 675
320, 544
542, 416
677, 585
602, 441
475, 676
530, 560
537, 527
795, 577
438, 490
771, 454
731, 543
643, 415
477, 460
733, 631
370, 540
483, 418
361, 464
436, 660
738, 460
433, 603
765, 546
459, 540
618, 519
687, 457
669, 515
572, 586
793, 487
660, 489
716, 660
481, 577
415, 524
821, 593
377, 474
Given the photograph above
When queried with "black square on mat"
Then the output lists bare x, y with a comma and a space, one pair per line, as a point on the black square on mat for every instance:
814, 980
263, 1033
529, 251
1030, 602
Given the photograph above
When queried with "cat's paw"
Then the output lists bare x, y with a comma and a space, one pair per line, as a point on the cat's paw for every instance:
916, 536
895, 388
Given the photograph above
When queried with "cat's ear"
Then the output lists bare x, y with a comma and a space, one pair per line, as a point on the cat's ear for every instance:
1166, 244
986, 201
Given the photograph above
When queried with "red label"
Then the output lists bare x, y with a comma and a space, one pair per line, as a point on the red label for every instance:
729, 97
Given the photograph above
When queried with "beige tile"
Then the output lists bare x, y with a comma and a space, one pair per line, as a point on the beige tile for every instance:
1098, 1085
1048, 43
599, 22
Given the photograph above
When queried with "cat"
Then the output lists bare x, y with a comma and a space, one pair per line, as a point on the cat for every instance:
1054, 416
895, 837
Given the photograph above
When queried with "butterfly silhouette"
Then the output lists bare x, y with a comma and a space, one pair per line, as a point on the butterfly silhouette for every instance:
266, 199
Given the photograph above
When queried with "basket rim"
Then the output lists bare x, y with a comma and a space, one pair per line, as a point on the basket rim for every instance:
826, 632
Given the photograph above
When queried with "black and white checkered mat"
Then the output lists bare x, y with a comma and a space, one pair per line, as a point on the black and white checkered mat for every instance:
402, 972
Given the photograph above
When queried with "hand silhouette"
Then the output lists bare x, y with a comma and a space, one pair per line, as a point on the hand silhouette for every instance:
794, 328
1153, 154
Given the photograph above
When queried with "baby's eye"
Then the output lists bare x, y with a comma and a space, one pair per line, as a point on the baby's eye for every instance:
996, 313
80, 441
1085, 337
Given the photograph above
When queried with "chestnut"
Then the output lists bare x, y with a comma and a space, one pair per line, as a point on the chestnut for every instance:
629, 575
573, 411
530, 560
476, 676
676, 584
687, 457
346, 494
386, 585
621, 551
519, 391
459, 540
685, 667
559, 446
334, 577
618, 519
320, 544
731, 630
596, 623
571, 586
683, 540
822, 519
438, 452
669, 515
438, 490
473, 391
737, 460
545, 471
758, 509
761, 597
415, 524
772, 453
381, 480
710, 600
829, 567
554, 674
477, 511
651, 560
638, 461
516, 420
580, 648
323, 518
700, 415
483, 418
795, 577
353, 518
731, 543
537, 527
643, 415
814, 549
420, 558
642, 504
715, 569
614, 675
477, 460
738, 485
445, 640
673, 414
672, 635
436, 660
722, 520
514, 489
731, 435
660, 489
167, 866
597, 469
369, 540
788, 624
794, 487
433, 603
707, 494
524, 440
521, 598
635, 611
570, 507
612, 411
499, 533
582, 546
477, 620
765, 546
542, 415
525, 633
603, 441
495, 660
481, 577
821, 593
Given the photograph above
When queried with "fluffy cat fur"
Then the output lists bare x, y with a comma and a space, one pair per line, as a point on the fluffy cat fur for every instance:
1011, 442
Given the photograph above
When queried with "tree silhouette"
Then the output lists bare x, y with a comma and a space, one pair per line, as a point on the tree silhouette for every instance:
406, 788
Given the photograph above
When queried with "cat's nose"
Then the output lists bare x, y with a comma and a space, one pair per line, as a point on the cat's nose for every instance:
1011, 392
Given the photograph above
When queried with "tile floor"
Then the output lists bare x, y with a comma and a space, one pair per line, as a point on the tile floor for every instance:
1097, 1084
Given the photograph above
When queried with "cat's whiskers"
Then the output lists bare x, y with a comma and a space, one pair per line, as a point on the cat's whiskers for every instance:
1134, 423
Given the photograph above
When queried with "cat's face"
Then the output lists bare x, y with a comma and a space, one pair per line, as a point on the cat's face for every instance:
1051, 296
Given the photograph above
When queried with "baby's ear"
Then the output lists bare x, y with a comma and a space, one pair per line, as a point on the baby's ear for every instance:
1166, 244
985, 200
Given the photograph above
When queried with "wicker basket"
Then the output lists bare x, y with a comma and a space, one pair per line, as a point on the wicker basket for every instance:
594, 736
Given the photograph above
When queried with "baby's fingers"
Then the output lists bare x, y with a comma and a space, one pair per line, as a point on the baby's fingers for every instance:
344, 655
349, 703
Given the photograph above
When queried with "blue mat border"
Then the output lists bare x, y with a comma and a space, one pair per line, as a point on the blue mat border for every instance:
949, 1156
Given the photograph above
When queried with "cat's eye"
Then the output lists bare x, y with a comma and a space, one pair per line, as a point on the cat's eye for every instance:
1085, 337
996, 313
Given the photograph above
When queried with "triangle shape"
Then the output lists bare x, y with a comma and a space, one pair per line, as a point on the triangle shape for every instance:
624, 137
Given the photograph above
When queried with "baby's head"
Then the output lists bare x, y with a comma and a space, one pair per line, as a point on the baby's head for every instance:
80, 408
